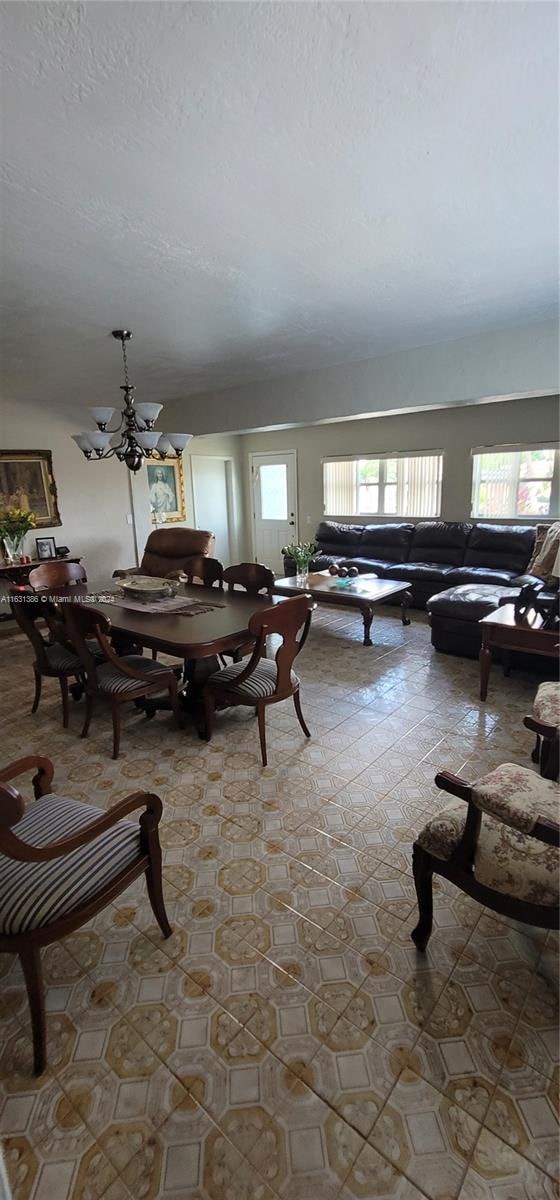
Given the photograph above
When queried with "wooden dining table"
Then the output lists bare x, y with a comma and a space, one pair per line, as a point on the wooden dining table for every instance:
198, 638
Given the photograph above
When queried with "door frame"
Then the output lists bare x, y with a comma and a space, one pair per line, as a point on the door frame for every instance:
228, 461
271, 454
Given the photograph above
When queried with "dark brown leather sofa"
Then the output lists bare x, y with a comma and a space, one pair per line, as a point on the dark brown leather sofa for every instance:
433, 555
458, 570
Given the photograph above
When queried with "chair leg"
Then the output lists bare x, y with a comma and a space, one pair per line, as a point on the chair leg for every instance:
38, 686
30, 959
536, 751
261, 713
174, 701
115, 710
299, 714
88, 715
154, 883
422, 870
64, 696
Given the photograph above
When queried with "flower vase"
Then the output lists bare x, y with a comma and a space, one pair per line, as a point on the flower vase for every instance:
13, 547
302, 576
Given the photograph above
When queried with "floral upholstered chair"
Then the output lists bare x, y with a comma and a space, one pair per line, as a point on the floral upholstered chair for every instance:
545, 722
498, 842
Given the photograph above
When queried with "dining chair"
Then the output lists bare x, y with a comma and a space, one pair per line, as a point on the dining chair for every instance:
263, 681
56, 575
61, 862
55, 658
498, 842
199, 569
253, 577
119, 678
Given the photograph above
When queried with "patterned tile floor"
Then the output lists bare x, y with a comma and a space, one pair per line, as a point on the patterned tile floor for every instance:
288, 1041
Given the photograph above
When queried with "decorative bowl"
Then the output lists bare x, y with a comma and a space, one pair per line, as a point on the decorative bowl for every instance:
148, 587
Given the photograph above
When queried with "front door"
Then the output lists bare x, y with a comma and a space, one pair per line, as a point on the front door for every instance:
274, 490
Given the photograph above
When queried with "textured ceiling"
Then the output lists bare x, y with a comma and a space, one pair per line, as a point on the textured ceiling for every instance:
262, 188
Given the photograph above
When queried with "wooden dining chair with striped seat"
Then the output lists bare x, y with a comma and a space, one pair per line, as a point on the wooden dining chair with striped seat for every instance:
39, 620
253, 578
120, 678
61, 862
262, 681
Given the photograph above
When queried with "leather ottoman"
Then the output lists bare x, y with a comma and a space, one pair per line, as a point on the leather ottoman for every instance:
456, 612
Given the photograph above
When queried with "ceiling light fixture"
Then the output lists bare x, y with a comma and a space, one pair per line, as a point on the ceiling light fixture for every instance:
138, 438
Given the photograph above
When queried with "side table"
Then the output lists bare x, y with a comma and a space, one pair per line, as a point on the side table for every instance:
500, 630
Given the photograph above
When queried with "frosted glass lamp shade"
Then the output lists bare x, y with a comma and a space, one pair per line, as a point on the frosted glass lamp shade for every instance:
102, 416
164, 445
100, 441
148, 441
148, 412
179, 441
83, 441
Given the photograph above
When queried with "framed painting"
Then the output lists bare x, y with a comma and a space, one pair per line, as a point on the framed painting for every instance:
166, 490
27, 481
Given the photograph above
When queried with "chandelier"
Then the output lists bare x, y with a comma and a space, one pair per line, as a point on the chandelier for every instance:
134, 438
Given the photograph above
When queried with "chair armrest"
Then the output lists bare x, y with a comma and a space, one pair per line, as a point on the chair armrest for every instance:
122, 572
15, 847
529, 819
43, 778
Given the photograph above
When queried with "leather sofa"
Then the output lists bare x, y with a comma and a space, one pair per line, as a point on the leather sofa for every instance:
432, 555
167, 549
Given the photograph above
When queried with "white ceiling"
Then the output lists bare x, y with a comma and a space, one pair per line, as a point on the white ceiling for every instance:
262, 188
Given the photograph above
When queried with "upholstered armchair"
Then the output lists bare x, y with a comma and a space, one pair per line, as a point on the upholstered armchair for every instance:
498, 842
62, 861
167, 549
545, 722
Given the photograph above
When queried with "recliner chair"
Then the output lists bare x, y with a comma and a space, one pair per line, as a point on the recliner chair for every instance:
167, 549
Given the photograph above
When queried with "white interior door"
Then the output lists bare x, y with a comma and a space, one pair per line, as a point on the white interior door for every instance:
211, 483
274, 506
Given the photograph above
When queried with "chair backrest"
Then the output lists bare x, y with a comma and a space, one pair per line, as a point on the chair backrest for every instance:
287, 619
167, 549
252, 576
57, 574
84, 623
208, 571
28, 608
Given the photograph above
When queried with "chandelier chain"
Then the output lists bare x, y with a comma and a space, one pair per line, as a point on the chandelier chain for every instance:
125, 365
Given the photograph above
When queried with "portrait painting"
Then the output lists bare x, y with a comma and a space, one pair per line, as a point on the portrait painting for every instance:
166, 490
27, 482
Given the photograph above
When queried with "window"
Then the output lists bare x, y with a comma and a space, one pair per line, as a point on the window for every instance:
391, 485
519, 482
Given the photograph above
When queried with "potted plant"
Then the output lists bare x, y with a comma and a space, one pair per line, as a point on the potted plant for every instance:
14, 524
301, 553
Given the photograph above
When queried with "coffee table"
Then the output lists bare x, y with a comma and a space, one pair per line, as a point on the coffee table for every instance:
362, 593
500, 630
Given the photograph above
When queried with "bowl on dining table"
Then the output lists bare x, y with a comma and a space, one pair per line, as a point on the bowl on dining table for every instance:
148, 587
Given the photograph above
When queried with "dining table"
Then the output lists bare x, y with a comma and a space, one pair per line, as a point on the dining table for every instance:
213, 623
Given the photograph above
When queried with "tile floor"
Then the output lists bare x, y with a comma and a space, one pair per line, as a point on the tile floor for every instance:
287, 1040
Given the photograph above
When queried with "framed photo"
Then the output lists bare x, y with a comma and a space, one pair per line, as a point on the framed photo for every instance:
166, 490
45, 547
27, 481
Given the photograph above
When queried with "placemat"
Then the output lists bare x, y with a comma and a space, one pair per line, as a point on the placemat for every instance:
180, 605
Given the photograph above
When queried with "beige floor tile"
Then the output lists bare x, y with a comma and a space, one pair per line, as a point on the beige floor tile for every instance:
496, 1170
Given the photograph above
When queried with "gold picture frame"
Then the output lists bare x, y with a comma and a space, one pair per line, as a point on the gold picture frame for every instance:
27, 481
166, 489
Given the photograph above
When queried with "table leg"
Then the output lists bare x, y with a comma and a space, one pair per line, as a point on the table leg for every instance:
485, 660
367, 614
406, 600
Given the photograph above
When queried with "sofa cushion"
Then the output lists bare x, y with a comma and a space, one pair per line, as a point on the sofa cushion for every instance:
475, 575
366, 565
546, 707
470, 602
430, 572
335, 538
500, 547
440, 542
389, 543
